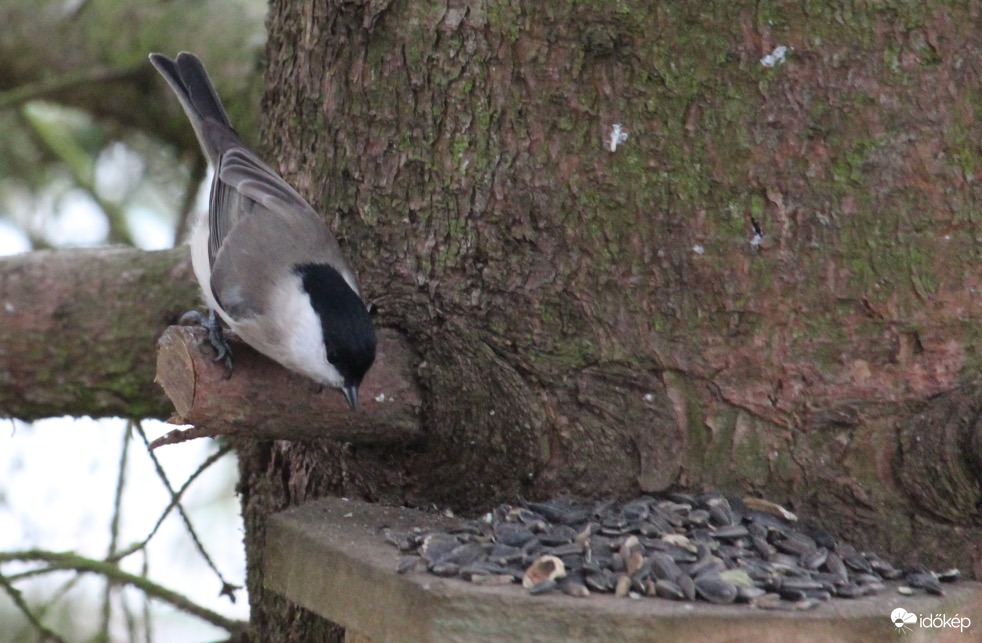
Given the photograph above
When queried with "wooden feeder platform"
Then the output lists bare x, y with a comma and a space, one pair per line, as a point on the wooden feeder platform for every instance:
330, 556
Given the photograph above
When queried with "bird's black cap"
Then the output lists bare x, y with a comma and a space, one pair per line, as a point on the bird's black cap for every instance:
348, 332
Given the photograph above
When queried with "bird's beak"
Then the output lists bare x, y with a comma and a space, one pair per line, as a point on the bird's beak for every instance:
351, 394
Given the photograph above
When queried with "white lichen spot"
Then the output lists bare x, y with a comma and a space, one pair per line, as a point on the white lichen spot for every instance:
491, 412
776, 57
382, 397
649, 397
8, 307
698, 249
617, 136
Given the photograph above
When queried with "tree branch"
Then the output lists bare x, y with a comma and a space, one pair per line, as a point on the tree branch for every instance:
15, 595
228, 589
78, 330
263, 400
70, 561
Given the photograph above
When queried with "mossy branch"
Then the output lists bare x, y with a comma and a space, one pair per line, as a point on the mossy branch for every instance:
57, 561
78, 329
45, 634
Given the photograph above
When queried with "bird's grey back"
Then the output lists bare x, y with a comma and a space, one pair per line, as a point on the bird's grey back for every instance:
255, 217
265, 245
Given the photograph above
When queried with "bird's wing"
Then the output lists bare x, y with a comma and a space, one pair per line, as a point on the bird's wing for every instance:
261, 229
242, 182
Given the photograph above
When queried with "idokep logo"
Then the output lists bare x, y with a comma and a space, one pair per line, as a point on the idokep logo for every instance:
906, 621
903, 620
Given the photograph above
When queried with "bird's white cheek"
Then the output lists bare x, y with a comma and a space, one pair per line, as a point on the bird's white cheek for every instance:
303, 332
290, 333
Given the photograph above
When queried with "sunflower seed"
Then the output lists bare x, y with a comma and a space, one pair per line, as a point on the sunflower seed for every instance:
544, 568
668, 589
948, 575
408, 564
597, 582
575, 588
622, 585
925, 581
543, 586
678, 547
436, 546
688, 586
558, 535
512, 534
699, 517
715, 590
445, 570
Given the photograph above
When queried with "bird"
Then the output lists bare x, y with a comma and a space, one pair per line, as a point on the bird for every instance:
267, 264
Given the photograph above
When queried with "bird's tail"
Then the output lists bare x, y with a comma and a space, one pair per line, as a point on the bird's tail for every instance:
186, 75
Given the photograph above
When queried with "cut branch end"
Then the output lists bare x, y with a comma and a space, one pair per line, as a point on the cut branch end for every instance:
263, 400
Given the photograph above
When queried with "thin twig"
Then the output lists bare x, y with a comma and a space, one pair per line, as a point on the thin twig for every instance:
15, 595
175, 499
114, 527
56, 596
177, 436
227, 587
57, 561
147, 617
128, 616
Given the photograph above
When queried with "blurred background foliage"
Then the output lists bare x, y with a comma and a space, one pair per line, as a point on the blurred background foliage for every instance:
94, 150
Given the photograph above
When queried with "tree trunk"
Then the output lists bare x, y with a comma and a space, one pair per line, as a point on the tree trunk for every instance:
630, 246
559, 204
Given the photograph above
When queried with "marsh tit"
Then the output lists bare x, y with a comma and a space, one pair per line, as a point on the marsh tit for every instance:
267, 263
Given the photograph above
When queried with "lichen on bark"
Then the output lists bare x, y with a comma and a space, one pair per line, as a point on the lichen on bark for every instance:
608, 306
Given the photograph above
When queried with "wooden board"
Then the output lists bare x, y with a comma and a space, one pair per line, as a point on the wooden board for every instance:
331, 557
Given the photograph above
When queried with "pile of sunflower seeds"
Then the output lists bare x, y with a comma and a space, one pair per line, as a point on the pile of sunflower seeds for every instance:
679, 547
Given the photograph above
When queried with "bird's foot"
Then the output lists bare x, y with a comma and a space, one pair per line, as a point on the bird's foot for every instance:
215, 336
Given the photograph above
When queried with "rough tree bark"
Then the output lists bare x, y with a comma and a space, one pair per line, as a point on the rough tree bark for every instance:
79, 329
264, 401
593, 317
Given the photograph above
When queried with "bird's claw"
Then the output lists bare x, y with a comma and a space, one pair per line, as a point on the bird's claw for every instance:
215, 336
